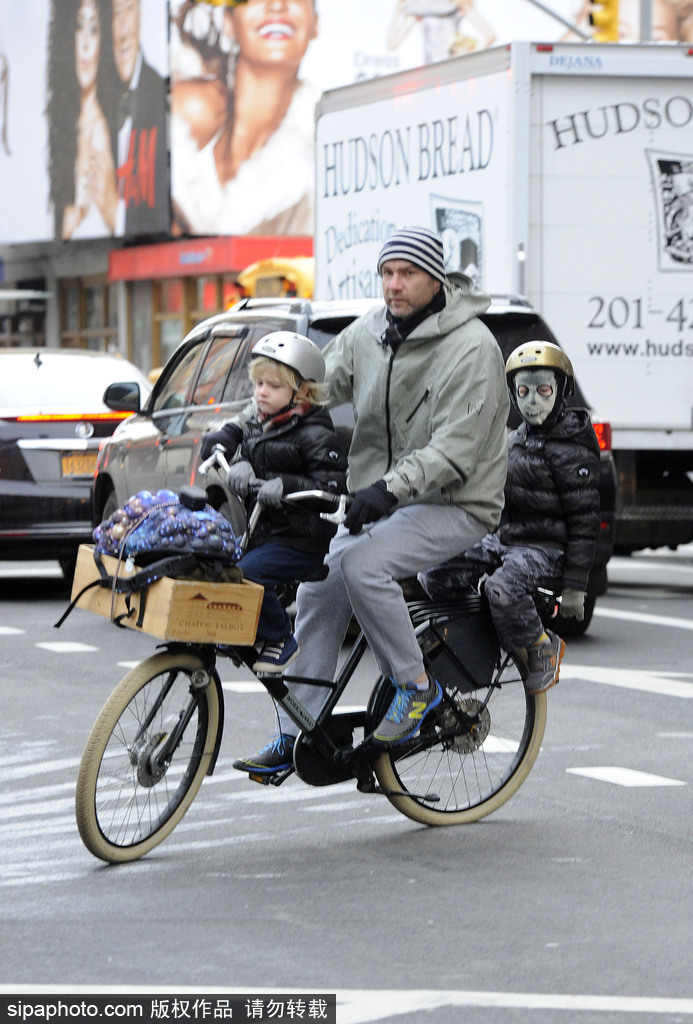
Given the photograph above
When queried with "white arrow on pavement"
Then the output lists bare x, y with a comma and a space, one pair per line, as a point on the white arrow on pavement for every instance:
669, 684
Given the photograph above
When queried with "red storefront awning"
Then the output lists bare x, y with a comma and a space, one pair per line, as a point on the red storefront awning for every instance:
200, 256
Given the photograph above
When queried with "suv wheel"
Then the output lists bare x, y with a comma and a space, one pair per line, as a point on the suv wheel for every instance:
109, 506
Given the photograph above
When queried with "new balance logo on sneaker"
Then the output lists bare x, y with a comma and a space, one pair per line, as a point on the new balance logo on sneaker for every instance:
407, 711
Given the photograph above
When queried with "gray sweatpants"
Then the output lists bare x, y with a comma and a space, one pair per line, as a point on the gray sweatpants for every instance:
363, 574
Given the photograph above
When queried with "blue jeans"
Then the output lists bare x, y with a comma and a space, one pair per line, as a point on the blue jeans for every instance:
269, 565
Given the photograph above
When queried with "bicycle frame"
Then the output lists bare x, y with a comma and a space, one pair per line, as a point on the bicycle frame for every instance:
159, 733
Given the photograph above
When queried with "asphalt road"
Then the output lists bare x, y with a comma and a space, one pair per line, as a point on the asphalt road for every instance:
572, 902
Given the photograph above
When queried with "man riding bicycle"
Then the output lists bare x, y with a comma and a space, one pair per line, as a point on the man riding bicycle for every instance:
427, 466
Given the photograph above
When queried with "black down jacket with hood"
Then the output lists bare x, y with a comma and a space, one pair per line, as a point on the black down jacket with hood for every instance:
551, 491
304, 451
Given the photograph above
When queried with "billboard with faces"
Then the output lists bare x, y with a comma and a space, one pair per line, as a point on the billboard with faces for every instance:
83, 130
98, 98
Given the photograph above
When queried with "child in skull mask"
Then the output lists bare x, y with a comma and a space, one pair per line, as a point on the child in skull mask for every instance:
548, 533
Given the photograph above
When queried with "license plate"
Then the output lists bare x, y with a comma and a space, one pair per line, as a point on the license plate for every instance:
78, 464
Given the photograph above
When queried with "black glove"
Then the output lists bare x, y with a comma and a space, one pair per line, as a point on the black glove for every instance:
369, 504
229, 436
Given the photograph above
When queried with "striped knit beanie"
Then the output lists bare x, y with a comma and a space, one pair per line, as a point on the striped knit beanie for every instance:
417, 245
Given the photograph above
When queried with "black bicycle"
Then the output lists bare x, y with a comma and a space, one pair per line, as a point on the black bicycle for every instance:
159, 733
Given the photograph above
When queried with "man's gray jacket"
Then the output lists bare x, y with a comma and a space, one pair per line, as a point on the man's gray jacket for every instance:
430, 418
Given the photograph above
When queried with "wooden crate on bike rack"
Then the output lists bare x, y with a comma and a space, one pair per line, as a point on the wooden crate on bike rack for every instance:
187, 610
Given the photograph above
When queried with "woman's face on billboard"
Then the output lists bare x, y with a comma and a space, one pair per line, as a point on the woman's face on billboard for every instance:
87, 44
274, 31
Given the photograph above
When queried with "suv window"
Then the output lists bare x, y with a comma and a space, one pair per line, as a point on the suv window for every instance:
322, 331
176, 387
210, 386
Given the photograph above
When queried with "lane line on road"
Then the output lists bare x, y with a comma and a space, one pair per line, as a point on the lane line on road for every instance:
625, 777
650, 620
244, 686
67, 647
667, 684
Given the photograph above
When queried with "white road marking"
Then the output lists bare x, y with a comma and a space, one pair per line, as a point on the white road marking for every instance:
244, 686
668, 684
10, 631
625, 777
650, 620
67, 647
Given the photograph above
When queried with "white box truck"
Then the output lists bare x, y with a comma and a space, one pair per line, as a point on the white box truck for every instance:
558, 172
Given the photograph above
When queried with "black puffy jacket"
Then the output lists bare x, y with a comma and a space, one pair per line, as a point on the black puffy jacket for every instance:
305, 452
551, 491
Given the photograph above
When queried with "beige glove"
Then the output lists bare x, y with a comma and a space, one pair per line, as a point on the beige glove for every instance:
573, 604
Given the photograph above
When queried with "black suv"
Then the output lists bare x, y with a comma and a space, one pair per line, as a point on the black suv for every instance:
206, 381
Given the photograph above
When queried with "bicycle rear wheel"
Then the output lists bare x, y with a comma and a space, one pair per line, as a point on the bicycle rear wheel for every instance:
146, 757
472, 773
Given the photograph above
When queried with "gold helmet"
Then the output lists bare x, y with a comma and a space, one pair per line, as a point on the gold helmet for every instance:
535, 354
544, 355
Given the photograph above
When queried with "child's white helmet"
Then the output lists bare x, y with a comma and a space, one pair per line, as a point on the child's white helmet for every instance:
294, 350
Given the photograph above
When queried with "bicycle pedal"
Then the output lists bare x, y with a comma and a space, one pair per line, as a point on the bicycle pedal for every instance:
264, 779
270, 778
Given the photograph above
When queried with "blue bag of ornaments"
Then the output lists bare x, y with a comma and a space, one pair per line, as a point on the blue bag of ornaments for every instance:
162, 534
150, 527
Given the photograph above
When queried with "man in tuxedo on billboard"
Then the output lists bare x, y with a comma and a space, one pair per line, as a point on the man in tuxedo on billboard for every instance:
141, 142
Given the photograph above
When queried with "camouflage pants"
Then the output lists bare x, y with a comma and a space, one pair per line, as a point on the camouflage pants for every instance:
513, 574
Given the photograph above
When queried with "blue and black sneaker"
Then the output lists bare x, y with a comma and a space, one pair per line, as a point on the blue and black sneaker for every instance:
276, 756
276, 655
407, 711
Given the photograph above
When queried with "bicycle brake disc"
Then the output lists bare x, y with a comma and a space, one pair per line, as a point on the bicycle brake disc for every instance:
479, 728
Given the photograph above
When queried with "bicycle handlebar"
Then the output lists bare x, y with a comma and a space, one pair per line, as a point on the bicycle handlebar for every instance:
340, 502
216, 460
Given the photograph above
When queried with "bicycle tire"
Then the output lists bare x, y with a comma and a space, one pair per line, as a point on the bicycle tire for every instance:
472, 775
122, 811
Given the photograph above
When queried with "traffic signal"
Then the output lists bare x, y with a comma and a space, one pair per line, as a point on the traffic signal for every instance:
604, 18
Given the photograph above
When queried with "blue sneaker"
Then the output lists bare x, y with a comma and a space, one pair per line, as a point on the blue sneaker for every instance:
407, 711
276, 656
276, 756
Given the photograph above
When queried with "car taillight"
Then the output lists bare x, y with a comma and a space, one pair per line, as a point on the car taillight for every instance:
603, 432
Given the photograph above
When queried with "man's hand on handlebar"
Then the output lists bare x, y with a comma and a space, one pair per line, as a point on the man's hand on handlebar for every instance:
368, 505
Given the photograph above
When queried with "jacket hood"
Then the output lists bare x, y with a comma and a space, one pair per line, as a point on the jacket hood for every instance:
463, 301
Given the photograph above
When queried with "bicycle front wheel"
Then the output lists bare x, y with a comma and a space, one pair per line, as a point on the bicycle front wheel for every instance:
474, 772
146, 757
